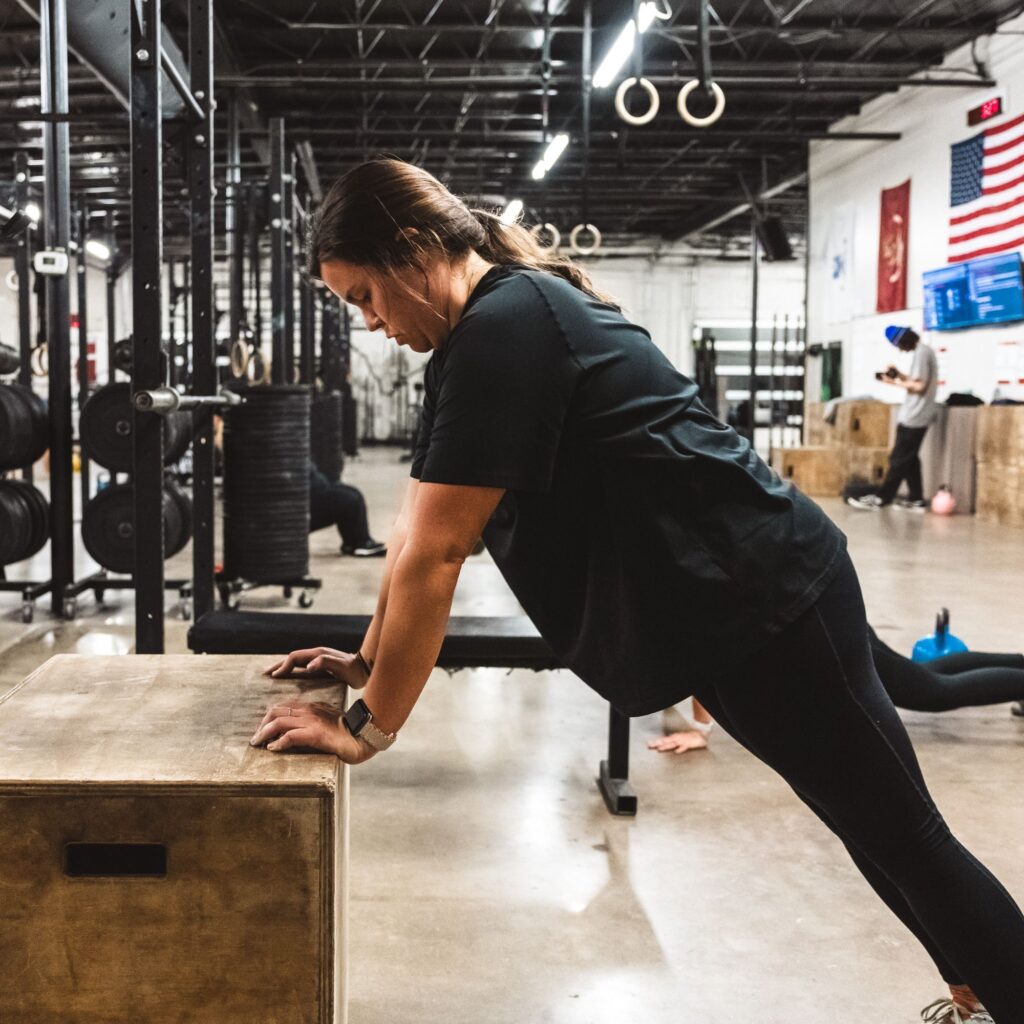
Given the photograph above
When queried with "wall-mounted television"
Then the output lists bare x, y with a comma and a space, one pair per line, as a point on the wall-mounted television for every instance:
985, 291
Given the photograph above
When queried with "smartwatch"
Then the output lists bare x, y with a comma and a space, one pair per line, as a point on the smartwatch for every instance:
359, 721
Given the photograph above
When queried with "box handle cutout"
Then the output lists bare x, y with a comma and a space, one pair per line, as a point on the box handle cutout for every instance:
115, 860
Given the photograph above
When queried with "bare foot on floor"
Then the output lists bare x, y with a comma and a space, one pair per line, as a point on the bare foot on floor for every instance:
679, 742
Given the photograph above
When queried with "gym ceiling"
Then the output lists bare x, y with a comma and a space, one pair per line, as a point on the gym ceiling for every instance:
472, 89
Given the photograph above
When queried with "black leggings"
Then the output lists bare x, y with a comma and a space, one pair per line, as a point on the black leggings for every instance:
341, 506
965, 680
811, 706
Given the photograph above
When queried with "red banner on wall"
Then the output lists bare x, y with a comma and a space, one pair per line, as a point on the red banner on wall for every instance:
892, 249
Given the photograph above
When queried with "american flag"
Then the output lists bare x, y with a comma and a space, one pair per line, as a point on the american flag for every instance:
986, 192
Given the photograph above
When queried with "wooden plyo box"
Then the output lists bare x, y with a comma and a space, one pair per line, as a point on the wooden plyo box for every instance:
1000, 437
1001, 493
865, 424
155, 868
817, 471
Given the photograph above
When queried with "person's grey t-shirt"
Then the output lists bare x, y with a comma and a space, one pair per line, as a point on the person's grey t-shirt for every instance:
649, 544
919, 410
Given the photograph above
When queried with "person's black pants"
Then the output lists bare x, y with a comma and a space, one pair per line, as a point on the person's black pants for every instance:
904, 464
342, 506
810, 705
965, 680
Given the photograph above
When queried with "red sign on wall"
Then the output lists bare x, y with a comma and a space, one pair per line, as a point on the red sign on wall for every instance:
893, 233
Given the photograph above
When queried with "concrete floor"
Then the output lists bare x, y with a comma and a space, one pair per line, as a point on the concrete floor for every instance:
489, 884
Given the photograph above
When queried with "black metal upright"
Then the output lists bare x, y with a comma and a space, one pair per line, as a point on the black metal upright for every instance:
307, 355
113, 266
278, 255
147, 371
53, 77
288, 212
204, 370
21, 269
233, 220
754, 267
82, 301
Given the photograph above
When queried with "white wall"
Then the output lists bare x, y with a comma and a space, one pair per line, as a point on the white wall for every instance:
852, 174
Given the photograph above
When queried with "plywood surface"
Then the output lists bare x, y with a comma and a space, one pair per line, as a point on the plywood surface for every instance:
240, 930
180, 719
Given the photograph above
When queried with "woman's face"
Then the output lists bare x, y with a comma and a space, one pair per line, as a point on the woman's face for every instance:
395, 302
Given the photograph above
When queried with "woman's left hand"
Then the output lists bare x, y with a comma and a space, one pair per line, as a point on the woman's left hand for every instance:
310, 727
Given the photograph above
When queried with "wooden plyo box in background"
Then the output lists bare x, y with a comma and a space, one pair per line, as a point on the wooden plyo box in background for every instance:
1001, 493
862, 424
1000, 437
819, 472
155, 868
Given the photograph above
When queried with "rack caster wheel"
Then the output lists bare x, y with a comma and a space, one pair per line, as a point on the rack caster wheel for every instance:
306, 599
185, 607
98, 593
28, 612
287, 593
70, 608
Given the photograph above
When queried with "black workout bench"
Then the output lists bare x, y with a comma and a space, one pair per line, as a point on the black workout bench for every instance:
471, 642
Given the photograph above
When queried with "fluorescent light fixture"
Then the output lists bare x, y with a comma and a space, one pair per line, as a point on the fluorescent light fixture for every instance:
33, 212
622, 48
648, 12
97, 249
556, 147
511, 212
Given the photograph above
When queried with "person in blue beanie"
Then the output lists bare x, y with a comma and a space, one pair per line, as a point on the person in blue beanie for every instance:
916, 413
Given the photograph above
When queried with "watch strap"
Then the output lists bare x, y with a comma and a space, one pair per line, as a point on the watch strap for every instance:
377, 738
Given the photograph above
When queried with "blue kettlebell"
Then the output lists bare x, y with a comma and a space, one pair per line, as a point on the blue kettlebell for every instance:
938, 643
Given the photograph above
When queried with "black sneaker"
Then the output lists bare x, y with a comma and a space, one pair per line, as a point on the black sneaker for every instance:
909, 505
368, 549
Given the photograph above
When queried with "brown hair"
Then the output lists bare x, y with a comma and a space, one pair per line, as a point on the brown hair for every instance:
366, 216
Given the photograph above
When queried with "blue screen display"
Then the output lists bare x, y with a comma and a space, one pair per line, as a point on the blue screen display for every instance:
986, 291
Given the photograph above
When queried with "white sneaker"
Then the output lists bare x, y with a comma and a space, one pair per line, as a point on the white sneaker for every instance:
945, 1011
869, 503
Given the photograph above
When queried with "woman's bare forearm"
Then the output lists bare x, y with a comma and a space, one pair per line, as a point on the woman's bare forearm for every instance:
420, 599
371, 641
396, 542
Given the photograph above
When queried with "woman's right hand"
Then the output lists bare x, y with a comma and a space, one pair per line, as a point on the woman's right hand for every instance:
322, 663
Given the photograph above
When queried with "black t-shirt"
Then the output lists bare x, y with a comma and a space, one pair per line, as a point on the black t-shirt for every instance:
646, 540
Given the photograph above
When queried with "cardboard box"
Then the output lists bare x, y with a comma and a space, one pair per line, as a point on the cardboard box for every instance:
154, 866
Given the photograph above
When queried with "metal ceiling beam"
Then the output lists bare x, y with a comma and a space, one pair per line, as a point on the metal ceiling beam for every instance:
459, 83
963, 27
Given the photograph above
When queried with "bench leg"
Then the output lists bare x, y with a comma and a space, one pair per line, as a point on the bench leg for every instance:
614, 778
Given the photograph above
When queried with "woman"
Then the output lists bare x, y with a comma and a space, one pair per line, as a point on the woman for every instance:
649, 544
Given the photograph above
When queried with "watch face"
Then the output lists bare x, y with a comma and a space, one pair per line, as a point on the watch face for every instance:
357, 716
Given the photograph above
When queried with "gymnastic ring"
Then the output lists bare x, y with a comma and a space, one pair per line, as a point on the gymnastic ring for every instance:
39, 360
652, 95
700, 122
556, 236
239, 358
11, 280
259, 368
574, 239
